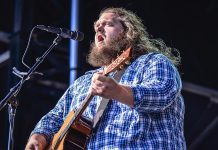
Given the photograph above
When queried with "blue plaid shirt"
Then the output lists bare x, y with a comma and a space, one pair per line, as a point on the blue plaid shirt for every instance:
155, 122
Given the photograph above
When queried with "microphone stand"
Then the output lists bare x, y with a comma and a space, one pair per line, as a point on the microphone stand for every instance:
10, 98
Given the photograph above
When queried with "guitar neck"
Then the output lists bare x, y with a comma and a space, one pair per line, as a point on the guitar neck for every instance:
83, 106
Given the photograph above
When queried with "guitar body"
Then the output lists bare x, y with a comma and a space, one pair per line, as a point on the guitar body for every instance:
76, 136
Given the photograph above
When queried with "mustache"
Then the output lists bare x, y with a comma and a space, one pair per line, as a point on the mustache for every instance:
104, 56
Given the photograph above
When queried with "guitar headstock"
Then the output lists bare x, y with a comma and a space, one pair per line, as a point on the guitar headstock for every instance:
119, 62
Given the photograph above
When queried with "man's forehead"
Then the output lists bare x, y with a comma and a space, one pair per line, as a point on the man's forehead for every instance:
108, 16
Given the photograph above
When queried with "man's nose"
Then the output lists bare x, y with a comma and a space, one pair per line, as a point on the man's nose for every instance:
100, 28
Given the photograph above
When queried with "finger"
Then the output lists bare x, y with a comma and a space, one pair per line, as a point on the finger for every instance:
95, 77
98, 83
101, 78
94, 91
98, 91
100, 72
98, 77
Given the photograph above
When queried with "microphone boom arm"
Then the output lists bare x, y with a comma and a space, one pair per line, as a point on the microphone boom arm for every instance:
17, 87
10, 98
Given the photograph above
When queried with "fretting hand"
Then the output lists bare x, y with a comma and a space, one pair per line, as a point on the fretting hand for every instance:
109, 88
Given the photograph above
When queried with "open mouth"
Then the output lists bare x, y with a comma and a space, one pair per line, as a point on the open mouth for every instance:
100, 38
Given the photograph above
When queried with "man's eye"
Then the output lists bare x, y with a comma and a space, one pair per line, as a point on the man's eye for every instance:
110, 24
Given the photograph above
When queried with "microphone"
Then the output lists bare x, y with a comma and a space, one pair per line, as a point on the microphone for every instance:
65, 33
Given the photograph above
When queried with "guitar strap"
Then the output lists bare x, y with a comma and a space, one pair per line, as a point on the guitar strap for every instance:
103, 104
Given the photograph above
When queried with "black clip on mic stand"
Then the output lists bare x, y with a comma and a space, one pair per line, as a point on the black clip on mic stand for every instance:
10, 98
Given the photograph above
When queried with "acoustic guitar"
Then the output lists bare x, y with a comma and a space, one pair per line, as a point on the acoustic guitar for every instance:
76, 130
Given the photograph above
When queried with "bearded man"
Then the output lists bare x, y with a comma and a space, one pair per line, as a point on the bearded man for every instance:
145, 109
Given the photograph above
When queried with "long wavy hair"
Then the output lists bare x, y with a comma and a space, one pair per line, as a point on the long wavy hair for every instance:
138, 37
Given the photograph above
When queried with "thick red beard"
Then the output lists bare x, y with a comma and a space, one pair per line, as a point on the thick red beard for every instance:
107, 53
